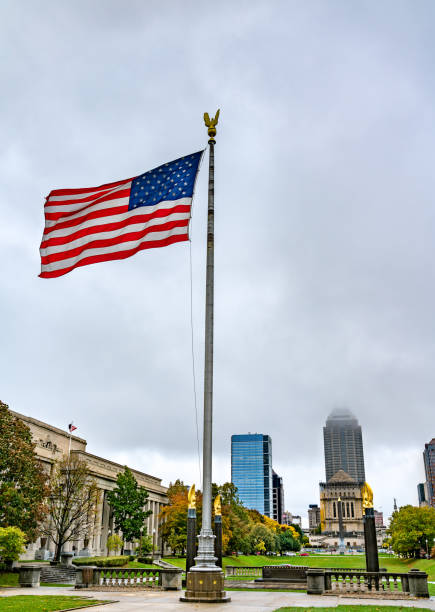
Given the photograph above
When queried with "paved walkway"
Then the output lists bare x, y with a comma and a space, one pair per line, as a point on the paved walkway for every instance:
241, 601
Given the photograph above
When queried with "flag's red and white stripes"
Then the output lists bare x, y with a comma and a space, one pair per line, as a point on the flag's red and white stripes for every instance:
84, 226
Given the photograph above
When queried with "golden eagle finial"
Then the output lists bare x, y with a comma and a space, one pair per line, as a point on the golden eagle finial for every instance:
211, 124
367, 496
191, 497
217, 505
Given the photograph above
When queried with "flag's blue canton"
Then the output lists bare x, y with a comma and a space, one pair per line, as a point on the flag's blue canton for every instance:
171, 181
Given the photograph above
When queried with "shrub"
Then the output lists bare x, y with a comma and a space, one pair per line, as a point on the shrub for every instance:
147, 560
114, 543
12, 541
101, 561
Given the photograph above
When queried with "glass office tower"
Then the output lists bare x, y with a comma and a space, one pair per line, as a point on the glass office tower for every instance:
251, 470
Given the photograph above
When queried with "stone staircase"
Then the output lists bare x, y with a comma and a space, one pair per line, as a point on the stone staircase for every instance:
58, 574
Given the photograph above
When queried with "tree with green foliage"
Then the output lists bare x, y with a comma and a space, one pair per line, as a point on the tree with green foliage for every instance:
12, 541
22, 478
145, 545
127, 501
114, 543
72, 503
262, 539
409, 529
287, 542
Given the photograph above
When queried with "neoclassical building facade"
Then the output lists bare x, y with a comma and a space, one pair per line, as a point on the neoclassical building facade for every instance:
342, 488
51, 444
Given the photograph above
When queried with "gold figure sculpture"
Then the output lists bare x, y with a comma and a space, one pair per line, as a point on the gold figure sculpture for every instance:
217, 505
367, 496
211, 124
191, 497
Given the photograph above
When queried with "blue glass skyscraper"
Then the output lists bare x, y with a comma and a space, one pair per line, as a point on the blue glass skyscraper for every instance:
251, 470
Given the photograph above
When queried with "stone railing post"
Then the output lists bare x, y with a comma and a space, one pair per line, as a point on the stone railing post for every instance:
418, 583
30, 575
170, 579
97, 576
85, 576
230, 570
315, 581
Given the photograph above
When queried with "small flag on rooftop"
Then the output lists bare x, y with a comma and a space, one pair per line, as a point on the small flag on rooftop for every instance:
71, 427
116, 220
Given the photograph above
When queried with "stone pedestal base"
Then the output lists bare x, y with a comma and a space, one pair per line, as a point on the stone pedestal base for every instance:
29, 575
205, 587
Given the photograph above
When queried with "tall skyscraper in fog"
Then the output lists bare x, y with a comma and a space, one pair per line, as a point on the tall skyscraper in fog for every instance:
343, 445
429, 468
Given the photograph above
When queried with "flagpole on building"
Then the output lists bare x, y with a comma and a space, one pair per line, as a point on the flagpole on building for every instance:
205, 579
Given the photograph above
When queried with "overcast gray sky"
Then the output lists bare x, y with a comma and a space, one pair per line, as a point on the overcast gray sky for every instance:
325, 229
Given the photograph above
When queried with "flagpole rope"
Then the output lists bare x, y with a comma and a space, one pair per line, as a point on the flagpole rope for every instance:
193, 361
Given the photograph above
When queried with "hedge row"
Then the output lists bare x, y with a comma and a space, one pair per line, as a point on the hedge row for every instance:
101, 561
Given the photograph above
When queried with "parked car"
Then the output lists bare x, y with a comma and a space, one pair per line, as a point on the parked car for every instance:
304, 554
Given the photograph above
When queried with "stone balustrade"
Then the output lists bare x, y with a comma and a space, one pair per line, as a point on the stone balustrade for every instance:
242, 572
339, 581
166, 579
257, 571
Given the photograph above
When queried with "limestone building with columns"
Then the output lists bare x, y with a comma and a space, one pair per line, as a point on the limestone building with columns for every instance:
51, 444
345, 489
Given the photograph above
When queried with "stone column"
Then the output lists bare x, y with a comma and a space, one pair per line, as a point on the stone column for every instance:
191, 538
218, 541
371, 546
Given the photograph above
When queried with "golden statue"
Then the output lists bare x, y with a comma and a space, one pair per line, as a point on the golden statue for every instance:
191, 497
211, 124
367, 496
217, 505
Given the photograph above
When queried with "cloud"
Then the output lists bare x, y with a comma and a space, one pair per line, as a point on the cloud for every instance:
324, 229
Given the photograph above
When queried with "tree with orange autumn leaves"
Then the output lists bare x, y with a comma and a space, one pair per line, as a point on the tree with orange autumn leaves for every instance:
243, 530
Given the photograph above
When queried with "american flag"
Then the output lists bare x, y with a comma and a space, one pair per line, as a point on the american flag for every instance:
116, 220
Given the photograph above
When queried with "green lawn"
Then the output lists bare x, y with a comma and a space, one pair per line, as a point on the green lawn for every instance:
8, 579
391, 563
44, 603
375, 608
137, 564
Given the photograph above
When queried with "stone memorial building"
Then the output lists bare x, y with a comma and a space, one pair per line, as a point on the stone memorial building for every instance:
344, 487
51, 444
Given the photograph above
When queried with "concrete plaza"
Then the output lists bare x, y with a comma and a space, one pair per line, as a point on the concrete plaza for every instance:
241, 601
